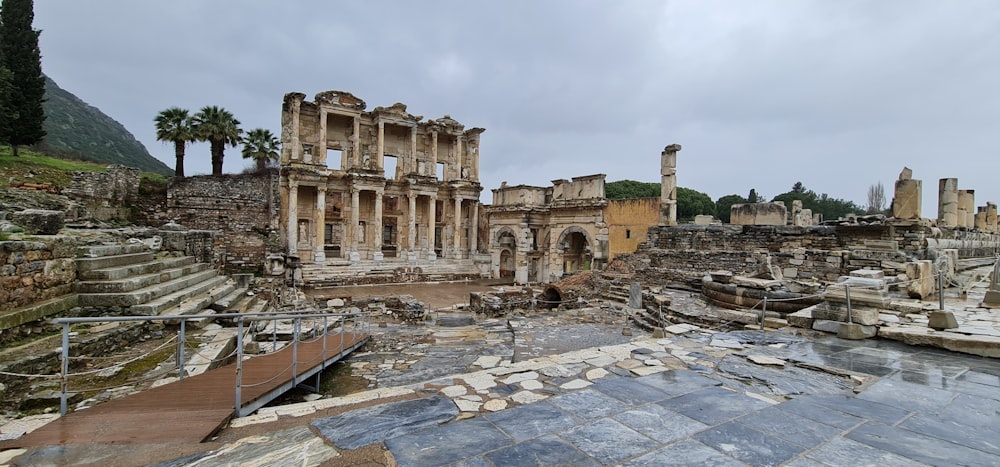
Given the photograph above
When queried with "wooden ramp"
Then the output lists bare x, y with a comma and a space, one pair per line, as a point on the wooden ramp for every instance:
193, 409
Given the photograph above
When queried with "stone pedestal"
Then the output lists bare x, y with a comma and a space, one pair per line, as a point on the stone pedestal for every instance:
941, 320
851, 331
378, 256
319, 258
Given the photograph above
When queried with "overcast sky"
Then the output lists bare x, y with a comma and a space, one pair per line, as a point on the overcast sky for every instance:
839, 94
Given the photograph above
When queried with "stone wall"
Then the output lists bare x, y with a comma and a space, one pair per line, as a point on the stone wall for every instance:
104, 195
242, 208
684, 253
628, 220
34, 271
759, 214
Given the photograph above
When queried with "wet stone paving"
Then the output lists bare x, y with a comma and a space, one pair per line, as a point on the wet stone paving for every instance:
777, 399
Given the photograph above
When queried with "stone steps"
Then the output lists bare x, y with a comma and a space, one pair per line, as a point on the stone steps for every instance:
104, 251
36, 311
150, 293
196, 292
88, 263
129, 270
135, 282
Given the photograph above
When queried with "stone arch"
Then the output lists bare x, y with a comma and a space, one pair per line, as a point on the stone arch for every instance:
576, 248
506, 245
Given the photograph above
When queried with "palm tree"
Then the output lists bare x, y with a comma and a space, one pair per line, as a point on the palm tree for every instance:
174, 125
261, 146
217, 126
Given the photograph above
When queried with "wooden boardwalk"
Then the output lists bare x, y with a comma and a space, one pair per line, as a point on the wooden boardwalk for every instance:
192, 409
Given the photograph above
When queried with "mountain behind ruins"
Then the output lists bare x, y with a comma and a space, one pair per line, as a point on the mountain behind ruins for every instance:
77, 130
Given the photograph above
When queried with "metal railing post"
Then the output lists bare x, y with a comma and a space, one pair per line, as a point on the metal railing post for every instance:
295, 351
941, 290
274, 335
847, 295
763, 311
324, 342
239, 366
180, 352
65, 369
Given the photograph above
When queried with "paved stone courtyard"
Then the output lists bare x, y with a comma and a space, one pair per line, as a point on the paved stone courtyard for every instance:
931, 407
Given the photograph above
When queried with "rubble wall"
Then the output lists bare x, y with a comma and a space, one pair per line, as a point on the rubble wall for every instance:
682, 254
37, 270
242, 208
105, 195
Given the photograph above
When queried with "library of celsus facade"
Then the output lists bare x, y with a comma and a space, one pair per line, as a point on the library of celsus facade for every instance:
359, 185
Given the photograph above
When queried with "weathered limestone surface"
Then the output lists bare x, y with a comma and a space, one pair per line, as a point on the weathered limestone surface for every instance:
906, 197
35, 271
948, 202
39, 221
668, 185
966, 208
758, 214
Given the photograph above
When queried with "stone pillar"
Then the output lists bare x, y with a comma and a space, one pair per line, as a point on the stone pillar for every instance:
948, 202
355, 218
668, 185
474, 229
457, 243
411, 231
981, 219
412, 165
380, 145
377, 225
459, 160
991, 218
319, 255
431, 222
434, 153
296, 146
966, 208
321, 148
293, 217
906, 196
356, 139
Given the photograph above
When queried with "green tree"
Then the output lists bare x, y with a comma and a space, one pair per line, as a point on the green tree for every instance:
219, 127
20, 55
753, 197
261, 146
7, 112
628, 189
690, 203
830, 208
173, 125
724, 205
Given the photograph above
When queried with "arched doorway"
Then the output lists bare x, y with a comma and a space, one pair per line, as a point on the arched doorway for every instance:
576, 250
508, 252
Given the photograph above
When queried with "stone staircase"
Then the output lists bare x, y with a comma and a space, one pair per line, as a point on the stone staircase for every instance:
335, 272
140, 283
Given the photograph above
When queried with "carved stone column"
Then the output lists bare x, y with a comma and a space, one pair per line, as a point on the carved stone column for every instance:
434, 152
319, 255
412, 163
668, 185
296, 147
355, 218
411, 219
380, 145
457, 241
377, 224
459, 160
356, 139
293, 217
948, 202
431, 222
474, 229
320, 157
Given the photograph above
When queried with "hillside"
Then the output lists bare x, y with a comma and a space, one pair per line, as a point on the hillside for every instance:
80, 131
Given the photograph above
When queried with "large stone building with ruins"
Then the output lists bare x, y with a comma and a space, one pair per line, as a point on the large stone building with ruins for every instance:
361, 185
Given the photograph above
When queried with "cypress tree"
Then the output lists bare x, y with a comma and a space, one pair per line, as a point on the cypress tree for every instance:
20, 55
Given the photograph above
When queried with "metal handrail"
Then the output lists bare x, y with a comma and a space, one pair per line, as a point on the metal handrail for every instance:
240, 318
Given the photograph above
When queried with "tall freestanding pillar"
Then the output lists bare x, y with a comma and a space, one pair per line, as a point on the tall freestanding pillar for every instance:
906, 196
432, 213
967, 208
668, 185
948, 202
